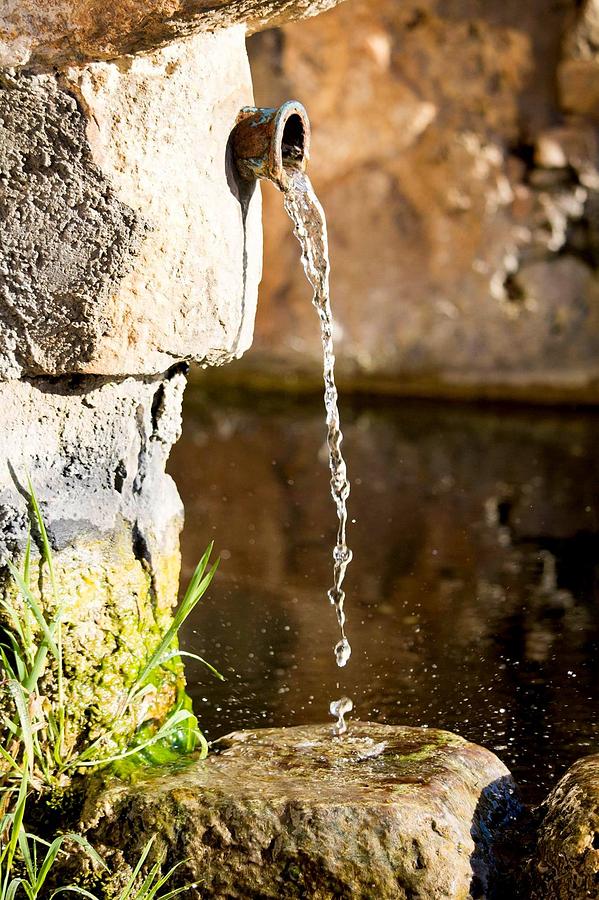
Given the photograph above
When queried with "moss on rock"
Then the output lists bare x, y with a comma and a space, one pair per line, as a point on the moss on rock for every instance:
382, 812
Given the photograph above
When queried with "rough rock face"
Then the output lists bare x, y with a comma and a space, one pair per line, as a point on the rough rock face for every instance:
96, 452
385, 812
127, 242
72, 31
578, 73
455, 153
565, 865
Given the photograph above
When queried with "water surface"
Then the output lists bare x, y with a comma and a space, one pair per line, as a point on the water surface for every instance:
475, 581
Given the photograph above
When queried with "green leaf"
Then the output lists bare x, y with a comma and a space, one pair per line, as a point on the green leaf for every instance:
47, 550
173, 654
172, 723
74, 889
144, 855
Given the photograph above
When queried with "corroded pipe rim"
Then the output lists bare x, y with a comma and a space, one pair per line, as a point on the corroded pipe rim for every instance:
259, 139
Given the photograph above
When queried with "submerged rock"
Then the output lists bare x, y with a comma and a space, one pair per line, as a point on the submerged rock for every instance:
565, 865
382, 812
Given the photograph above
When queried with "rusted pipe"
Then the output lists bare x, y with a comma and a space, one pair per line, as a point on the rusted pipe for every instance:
268, 142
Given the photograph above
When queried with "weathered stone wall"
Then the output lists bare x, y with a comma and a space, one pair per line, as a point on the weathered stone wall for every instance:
96, 453
455, 153
128, 243
67, 31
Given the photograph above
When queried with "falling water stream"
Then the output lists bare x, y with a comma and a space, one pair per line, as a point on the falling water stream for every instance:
310, 228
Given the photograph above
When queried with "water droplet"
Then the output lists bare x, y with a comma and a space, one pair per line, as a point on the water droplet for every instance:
342, 652
340, 708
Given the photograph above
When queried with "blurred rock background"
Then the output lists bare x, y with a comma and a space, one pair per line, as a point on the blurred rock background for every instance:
455, 153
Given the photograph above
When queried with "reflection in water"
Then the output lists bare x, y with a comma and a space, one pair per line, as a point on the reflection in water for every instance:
476, 543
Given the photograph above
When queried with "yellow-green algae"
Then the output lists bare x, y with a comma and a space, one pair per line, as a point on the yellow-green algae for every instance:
115, 608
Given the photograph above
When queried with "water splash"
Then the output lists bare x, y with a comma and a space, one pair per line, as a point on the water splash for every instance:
340, 708
310, 228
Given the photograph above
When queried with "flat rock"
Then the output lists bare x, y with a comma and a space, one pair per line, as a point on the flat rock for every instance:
384, 811
565, 865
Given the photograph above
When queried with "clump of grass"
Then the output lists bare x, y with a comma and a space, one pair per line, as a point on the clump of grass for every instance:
26, 862
35, 755
35, 725
150, 887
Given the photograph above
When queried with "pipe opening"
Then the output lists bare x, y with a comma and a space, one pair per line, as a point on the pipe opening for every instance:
267, 143
293, 141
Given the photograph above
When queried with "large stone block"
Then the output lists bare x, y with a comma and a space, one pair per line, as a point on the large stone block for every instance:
96, 451
464, 255
127, 242
385, 811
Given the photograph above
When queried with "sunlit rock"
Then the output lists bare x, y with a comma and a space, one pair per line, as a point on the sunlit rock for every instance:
383, 812
73, 31
127, 242
565, 865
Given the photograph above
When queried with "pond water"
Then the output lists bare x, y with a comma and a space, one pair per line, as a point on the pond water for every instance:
473, 596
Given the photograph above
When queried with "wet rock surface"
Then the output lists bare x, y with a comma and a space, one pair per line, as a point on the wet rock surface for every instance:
565, 864
385, 812
461, 190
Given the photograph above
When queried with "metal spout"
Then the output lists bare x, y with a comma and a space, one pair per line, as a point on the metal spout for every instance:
268, 142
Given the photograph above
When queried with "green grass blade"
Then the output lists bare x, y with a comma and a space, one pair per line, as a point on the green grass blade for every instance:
10, 672
57, 623
179, 890
27, 560
17, 822
47, 630
48, 862
11, 890
18, 694
89, 850
11, 762
151, 879
54, 850
196, 589
73, 889
47, 550
144, 855
158, 882
26, 854
14, 619
38, 667
172, 654
27, 636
